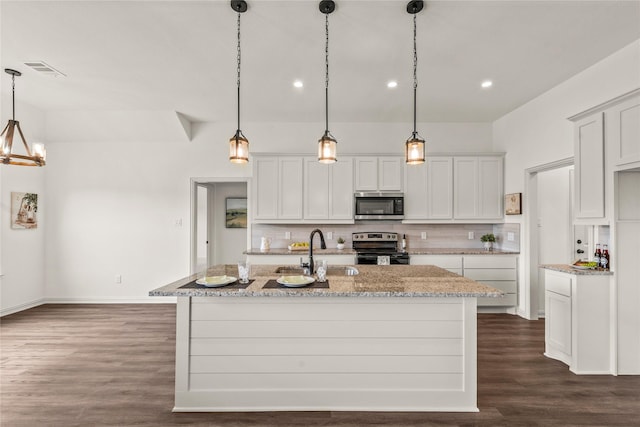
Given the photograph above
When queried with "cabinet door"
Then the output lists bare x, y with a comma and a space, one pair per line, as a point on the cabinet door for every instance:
341, 189
439, 187
316, 189
465, 187
290, 188
265, 175
390, 173
589, 168
490, 187
558, 323
415, 191
366, 174
623, 123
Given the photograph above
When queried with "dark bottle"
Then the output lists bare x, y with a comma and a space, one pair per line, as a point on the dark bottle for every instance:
597, 256
604, 259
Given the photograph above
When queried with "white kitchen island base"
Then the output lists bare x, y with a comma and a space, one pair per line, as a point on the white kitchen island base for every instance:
359, 353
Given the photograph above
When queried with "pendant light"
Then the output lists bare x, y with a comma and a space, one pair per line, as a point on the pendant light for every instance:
327, 145
238, 144
35, 156
414, 147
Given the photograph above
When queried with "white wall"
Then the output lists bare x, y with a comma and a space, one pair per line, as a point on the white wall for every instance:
538, 132
112, 207
22, 253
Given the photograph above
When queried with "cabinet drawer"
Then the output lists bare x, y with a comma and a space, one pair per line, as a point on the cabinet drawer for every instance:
506, 286
442, 261
558, 283
490, 274
507, 300
490, 261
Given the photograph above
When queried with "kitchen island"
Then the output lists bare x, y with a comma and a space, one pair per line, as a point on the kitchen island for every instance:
392, 338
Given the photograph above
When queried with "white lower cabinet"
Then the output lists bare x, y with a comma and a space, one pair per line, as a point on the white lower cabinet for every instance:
499, 271
577, 321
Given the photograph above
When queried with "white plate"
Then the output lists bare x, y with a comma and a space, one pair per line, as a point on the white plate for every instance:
295, 281
216, 281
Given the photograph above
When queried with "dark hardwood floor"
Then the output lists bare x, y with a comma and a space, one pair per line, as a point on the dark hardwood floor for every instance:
99, 365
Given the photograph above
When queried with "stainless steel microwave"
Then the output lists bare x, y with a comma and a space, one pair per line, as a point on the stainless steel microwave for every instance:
378, 206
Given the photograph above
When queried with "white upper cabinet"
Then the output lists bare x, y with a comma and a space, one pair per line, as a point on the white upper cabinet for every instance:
490, 187
378, 173
623, 124
589, 168
277, 188
466, 189
415, 192
439, 187
328, 190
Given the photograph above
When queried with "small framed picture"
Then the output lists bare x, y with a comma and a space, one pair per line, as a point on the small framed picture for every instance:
513, 204
236, 212
24, 210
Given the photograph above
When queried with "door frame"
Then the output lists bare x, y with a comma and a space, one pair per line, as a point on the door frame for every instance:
531, 245
193, 239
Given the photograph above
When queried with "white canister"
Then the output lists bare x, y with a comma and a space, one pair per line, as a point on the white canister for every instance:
265, 244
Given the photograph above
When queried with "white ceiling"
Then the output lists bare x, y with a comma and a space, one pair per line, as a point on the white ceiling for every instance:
180, 55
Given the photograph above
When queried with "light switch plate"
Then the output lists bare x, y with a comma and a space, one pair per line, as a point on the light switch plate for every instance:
330, 235
511, 236
423, 235
287, 235
472, 235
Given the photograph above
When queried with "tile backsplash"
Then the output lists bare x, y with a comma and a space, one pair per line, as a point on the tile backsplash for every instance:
438, 235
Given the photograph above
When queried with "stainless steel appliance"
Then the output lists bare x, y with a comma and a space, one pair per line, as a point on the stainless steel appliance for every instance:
378, 206
378, 248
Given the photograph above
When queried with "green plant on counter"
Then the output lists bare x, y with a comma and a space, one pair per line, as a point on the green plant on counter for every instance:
488, 238
340, 240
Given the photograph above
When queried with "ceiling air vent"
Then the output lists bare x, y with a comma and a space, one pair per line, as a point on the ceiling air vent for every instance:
44, 68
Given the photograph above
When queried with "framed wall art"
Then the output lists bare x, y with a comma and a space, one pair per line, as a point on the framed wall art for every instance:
513, 204
24, 210
236, 212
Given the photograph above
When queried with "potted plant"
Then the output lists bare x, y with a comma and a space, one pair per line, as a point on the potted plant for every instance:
340, 244
488, 240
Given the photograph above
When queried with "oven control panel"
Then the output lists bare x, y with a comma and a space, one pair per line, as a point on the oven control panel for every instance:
375, 237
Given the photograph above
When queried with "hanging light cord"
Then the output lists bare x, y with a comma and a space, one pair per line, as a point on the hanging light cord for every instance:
13, 95
415, 73
239, 56
326, 81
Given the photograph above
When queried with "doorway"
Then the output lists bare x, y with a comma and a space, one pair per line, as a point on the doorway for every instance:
213, 241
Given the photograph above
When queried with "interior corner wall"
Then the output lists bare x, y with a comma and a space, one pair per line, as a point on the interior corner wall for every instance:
22, 251
113, 208
539, 133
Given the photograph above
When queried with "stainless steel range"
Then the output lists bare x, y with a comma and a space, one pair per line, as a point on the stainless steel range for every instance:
378, 248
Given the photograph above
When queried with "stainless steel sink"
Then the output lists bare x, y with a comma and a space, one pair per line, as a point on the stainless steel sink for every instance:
332, 271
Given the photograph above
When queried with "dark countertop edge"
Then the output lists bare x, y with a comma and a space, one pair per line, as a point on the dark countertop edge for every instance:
566, 268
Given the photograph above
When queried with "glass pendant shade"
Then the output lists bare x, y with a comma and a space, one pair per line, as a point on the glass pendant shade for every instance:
238, 149
327, 149
414, 154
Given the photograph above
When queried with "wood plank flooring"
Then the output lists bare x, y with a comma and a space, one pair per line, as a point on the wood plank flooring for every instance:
113, 365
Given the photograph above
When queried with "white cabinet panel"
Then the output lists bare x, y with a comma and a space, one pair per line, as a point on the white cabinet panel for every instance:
558, 326
465, 187
589, 168
415, 191
316, 189
449, 262
366, 174
341, 189
623, 124
439, 187
390, 173
490, 187
265, 190
290, 188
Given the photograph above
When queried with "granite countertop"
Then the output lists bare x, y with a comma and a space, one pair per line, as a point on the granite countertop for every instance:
565, 268
373, 281
411, 251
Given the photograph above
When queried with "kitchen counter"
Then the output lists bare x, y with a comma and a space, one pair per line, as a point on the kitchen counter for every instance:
362, 346
410, 251
565, 268
372, 281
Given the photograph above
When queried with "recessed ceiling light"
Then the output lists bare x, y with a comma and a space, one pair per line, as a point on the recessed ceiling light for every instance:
298, 83
487, 84
392, 84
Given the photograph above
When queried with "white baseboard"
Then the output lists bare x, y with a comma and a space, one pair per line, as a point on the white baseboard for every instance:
21, 307
41, 301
